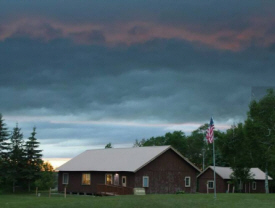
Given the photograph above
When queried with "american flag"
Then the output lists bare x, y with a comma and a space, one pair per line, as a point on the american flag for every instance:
210, 132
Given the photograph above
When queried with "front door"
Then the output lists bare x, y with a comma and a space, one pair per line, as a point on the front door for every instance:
124, 183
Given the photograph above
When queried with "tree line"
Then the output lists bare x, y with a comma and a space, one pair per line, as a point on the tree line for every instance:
241, 147
21, 163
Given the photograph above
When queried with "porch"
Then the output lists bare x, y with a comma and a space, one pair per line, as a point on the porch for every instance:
112, 190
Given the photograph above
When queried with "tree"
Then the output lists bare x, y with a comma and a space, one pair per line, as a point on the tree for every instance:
233, 147
197, 149
46, 177
260, 128
4, 147
155, 141
109, 145
177, 140
139, 143
33, 159
16, 160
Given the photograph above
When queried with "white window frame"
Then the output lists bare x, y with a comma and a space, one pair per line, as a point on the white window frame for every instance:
111, 178
147, 181
254, 188
187, 185
63, 182
82, 179
208, 184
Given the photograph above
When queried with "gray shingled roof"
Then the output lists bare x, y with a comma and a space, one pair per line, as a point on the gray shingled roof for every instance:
116, 159
225, 172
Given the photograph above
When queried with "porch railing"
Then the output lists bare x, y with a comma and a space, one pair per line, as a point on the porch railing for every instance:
104, 189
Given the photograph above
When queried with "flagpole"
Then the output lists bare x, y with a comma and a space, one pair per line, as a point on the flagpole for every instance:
210, 138
214, 163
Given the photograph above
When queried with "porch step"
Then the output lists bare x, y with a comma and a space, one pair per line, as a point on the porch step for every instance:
107, 194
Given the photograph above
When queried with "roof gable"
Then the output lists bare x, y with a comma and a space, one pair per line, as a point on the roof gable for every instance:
225, 172
116, 159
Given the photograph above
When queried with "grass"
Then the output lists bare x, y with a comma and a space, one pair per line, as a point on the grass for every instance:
150, 201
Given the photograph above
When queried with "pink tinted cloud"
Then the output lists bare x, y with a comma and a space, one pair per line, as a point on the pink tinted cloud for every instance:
139, 32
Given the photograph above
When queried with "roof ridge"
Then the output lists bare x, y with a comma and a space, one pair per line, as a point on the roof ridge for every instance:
129, 147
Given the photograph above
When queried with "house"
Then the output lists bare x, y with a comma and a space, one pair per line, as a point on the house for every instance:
223, 185
158, 169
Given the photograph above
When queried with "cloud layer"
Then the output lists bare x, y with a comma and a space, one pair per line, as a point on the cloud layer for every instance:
94, 73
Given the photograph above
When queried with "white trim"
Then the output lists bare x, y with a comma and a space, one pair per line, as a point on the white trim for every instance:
254, 182
208, 184
106, 178
147, 181
186, 180
124, 184
67, 178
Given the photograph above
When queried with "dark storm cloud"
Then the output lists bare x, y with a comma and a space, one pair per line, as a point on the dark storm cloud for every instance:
231, 25
93, 37
43, 30
171, 11
91, 72
159, 80
138, 30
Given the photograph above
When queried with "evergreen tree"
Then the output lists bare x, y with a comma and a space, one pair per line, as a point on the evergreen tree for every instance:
4, 147
4, 136
33, 159
16, 157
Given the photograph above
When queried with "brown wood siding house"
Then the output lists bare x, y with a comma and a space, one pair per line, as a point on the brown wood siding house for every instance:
156, 169
206, 179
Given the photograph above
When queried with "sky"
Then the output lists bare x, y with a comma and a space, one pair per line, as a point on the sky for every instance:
86, 73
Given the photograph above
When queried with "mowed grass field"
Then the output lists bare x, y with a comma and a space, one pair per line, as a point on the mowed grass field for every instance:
150, 201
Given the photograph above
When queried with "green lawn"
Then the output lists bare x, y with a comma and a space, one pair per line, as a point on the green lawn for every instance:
150, 201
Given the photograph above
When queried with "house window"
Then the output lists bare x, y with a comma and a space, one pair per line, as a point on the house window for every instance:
108, 179
65, 178
187, 181
145, 182
86, 179
254, 185
116, 179
210, 184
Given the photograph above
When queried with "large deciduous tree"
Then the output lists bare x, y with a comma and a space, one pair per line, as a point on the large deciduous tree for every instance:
235, 151
260, 130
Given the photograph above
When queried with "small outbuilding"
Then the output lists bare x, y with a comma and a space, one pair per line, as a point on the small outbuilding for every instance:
158, 169
223, 181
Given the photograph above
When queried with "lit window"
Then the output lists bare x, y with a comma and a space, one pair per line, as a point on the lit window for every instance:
145, 181
254, 185
210, 184
187, 181
65, 178
109, 179
86, 179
